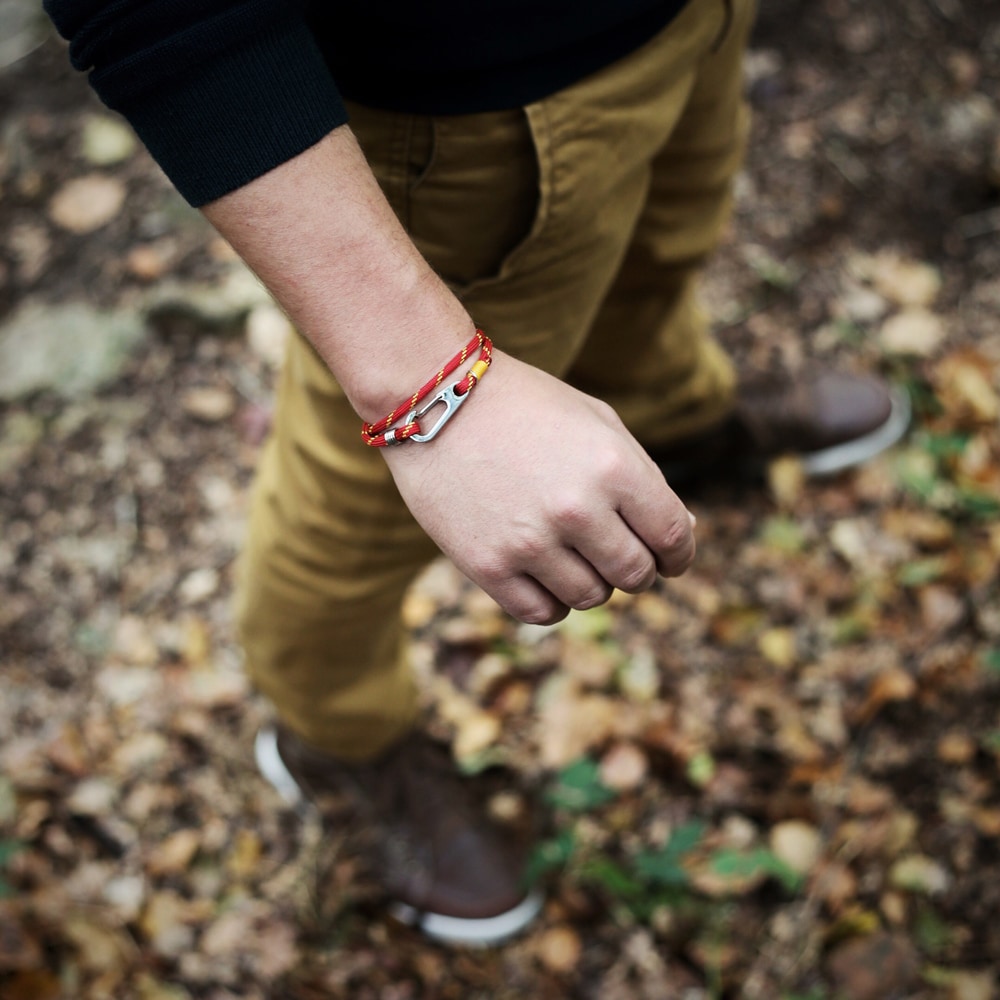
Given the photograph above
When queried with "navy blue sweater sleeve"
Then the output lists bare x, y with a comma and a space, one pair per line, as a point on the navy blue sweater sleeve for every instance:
220, 91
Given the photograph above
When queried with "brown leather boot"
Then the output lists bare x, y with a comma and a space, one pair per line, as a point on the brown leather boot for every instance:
830, 421
451, 871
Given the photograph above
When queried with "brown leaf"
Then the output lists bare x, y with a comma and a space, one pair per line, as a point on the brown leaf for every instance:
940, 608
778, 646
87, 203
930, 531
905, 282
230, 933
836, 885
150, 261
571, 725
956, 747
245, 856
920, 874
913, 331
19, 950
92, 797
798, 844
624, 767
34, 985
559, 949
165, 924
99, 948
968, 985
786, 479
966, 388
133, 643
590, 663
894, 684
174, 854
209, 404
875, 967
69, 752
476, 731
277, 950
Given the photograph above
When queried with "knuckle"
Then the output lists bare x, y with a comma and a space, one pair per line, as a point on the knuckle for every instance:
609, 462
542, 615
676, 548
607, 412
638, 578
527, 549
570, 511
677, 539
592, 599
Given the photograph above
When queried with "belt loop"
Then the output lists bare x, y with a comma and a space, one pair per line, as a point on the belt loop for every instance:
727, 23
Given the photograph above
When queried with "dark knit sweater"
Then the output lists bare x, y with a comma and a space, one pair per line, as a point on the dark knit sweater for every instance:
221, 91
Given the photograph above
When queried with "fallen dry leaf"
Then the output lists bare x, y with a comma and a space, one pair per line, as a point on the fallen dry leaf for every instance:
777, 646
559, 949
905, 282
894, 684
87, 203
624, 767
165, 924
913, 331
798, 844
875, 967
476, 731
174, 854
918, 873
209, 404
572, 725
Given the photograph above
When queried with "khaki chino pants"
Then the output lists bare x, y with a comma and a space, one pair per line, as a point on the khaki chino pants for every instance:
572, 230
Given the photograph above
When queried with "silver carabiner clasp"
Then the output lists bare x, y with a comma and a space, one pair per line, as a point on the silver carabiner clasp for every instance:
447, 398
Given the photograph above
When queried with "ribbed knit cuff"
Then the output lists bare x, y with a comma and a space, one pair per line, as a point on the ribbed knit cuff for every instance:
238, 115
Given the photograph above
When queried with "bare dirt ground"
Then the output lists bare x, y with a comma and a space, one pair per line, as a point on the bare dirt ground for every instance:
778, 777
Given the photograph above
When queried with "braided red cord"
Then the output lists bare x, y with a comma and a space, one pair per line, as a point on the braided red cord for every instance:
375, 434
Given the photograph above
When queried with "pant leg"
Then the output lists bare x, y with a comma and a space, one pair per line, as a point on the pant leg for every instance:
650, 354
528, 214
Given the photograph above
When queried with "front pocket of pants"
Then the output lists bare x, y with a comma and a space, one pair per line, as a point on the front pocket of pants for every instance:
480, 203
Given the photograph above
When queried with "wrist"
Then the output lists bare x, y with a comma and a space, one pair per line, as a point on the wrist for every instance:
444, 392
417, 348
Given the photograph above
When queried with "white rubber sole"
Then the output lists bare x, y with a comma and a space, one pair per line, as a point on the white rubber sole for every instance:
482, 932
270, 764
830, 461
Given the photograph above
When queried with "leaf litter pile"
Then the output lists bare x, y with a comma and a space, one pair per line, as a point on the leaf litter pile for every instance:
777, 777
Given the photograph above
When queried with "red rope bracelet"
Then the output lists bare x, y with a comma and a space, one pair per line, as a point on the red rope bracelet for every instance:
382, 432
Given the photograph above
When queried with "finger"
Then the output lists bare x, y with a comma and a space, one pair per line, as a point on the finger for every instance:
572, 580
656, 515
619, 557
528, 601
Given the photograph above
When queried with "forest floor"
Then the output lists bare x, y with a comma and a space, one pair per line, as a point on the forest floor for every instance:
777, 777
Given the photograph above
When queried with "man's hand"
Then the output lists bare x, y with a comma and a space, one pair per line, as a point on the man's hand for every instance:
540, 495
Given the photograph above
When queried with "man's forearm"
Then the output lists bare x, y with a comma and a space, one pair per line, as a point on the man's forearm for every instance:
320, 234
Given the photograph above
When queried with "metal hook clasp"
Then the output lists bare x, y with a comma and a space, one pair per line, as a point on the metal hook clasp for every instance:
447, 398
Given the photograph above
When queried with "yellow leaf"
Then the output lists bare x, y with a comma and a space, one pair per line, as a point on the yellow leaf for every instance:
777, 646
245, 855
559, 949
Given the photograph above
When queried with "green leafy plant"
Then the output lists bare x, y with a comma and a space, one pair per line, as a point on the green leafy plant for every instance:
579, 788
729, 862
8, 850
990, 660
928, 471
664, 866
